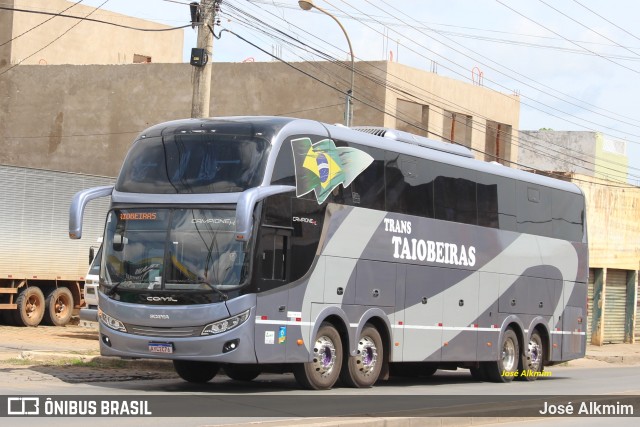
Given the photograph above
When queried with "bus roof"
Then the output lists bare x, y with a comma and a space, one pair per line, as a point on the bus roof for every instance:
276, 129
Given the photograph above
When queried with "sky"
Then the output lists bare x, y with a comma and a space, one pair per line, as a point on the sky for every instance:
573, 62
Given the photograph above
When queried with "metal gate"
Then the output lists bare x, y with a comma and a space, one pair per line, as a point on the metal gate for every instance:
615, 305
589, 326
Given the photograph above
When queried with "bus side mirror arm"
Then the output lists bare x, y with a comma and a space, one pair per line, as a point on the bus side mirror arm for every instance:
78, 203
246, 204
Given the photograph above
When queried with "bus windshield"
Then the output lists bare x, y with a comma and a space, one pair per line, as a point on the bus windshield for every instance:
194, 163
173, 250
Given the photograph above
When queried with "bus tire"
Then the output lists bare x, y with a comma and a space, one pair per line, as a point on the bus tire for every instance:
58, 307
30, 310
242, 372
324, 369
196, 372
532, 360
363, 369
505, 369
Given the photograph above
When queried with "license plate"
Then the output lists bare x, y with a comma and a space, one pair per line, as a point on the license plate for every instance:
160, 347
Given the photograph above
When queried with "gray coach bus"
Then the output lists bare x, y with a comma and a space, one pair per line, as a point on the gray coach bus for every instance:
268, 244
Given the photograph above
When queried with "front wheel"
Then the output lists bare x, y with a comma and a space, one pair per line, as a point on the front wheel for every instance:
324, 369
505, 368
196, 372
363, 369
58, 307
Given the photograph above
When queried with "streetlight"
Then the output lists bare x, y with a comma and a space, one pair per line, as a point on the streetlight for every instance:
308, 5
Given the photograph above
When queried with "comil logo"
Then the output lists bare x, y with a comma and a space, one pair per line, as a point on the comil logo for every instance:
23, 406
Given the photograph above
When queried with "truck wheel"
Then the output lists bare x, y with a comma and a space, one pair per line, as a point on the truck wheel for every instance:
196, 372
323, 371
505, 368
532, 363
58, 307
363, 369
242, 372
30, 303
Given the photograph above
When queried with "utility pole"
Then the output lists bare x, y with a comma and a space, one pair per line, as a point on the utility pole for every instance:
202, 74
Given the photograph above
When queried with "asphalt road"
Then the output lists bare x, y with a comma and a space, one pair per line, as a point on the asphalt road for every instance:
277, 397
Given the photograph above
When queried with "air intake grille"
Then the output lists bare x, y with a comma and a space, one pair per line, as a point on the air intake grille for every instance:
182, 332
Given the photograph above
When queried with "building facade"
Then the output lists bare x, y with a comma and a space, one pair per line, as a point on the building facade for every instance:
83, 118
56, 42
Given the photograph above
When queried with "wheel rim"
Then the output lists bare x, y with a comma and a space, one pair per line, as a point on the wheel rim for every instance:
32, 306
62, 306
324, 356
367, 356
508, 355
535, 355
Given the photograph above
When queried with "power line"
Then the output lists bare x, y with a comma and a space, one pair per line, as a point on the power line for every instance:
262, 25
602, 17
42, 23
570, 41
54, 40
358, 98
587, 27
84, 18
522, 82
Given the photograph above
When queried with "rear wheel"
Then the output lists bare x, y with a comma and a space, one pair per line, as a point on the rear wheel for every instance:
196, 372
363, 369
31, 304
532, 361
324, 369
505, 369
58, 307
242, 372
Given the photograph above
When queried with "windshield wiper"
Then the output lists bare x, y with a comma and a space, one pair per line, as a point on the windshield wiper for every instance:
224, 296
112, 290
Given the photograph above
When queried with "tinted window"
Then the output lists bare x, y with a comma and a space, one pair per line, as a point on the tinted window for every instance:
496, 202
367, 190
277, 210
455, 196
194, 163
567, 211
533, 204
409, 189
283, 170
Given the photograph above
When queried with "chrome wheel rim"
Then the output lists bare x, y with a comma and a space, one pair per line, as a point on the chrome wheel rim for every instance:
535, 356
367, 356
508, 355
324, 356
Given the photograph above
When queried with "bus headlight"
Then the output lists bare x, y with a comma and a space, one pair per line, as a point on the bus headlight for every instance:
111, 322
225, 324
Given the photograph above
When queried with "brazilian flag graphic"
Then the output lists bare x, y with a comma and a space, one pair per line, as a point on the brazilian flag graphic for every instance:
322, 166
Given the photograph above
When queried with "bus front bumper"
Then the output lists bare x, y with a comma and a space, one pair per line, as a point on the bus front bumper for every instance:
232, 346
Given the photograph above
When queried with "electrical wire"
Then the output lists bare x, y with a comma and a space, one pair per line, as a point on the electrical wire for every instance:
81, 18
580, 159
262, 25
395, 116
40, 24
